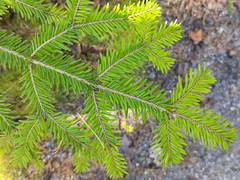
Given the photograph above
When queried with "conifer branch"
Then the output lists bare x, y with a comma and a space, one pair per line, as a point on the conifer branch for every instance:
110, 90
91, 129
168, 138
80, 160
161, 59
49, 40
105, 134
3, 8
28, 135
35, 89
145, 28
201, 125
118, 61
14, 53
5, 121
40, 103
106, 88
25, 4
85, 81
102, 127
142, 12
67, 30
47, 115
75, 13
66, 131
143, 46
194, 85
85, 25
189, 90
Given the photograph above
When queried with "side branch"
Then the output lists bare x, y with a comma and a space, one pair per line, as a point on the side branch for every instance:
4, 119
47, 115
87, 24
135, 51
99, 118
51, 14
67, 30
168, 138
154, 54
26, 141
75, 13
35, 89
40, 103
186, 93
120, 60
48, 41
103, 129
200, 125
91, 129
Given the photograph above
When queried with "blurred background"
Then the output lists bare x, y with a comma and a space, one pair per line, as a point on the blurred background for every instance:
211, 37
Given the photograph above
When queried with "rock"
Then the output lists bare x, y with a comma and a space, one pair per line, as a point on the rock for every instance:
196, 35
125, 143
233, 52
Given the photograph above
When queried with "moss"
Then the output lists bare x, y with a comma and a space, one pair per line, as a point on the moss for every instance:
10, 89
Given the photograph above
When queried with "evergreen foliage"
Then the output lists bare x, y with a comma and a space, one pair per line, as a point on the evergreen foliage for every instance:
108, 87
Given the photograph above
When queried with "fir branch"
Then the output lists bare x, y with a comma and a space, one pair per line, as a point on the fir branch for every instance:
13, 44
109, 87
65, 130
28, 135
189, 90
35, 89
169, 139
14, 53
47, 115
197, 83
99, 118
69, 29
201, 125
91, 130
5, 120
197, 122
74, 28
32, 7
103, 129
80, 161
97, 86
94, 85
60, 34
75, 12
145, 28
159, 38
48, 41
118, 61
161, 59
3, 8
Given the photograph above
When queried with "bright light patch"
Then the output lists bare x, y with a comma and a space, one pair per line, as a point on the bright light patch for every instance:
3, 169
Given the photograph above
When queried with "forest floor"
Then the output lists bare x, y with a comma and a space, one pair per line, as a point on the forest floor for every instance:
211, 37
